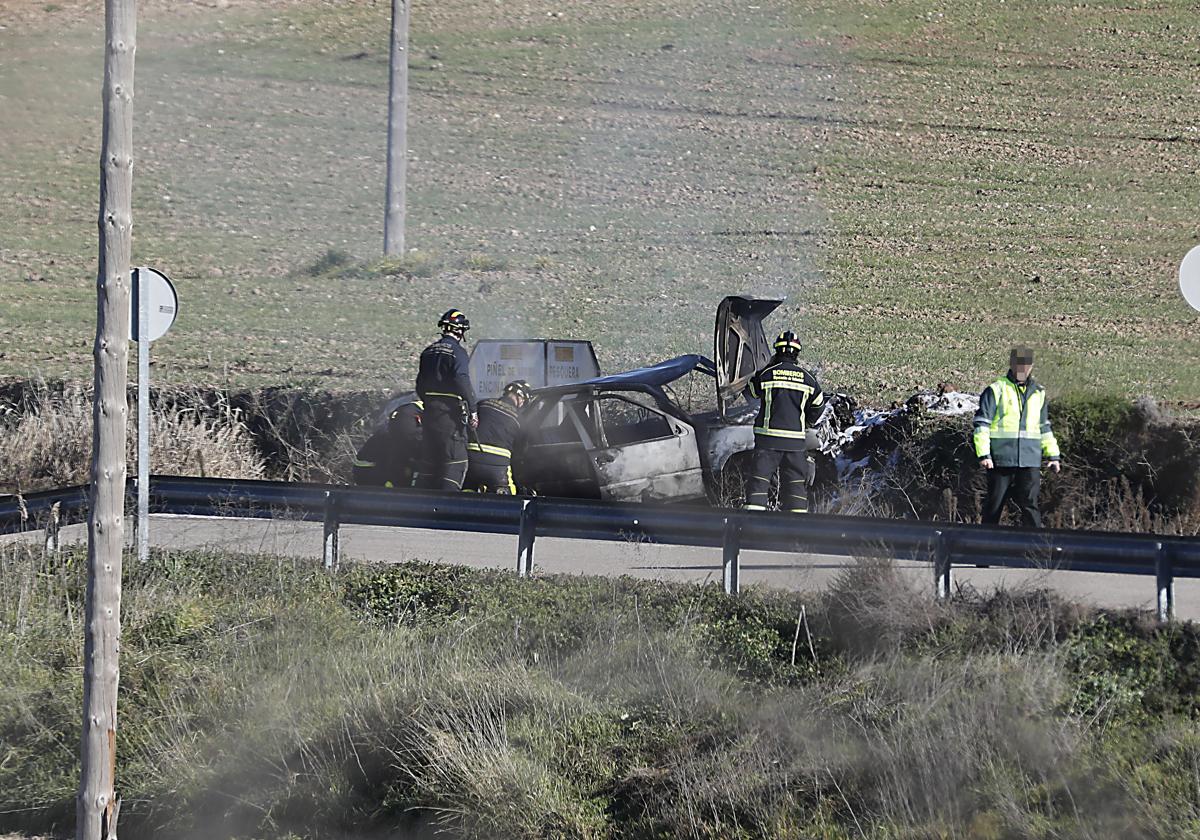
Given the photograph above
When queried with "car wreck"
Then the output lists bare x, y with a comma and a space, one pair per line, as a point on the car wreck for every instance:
627, 436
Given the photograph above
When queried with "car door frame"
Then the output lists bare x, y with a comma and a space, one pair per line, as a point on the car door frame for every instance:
623, 470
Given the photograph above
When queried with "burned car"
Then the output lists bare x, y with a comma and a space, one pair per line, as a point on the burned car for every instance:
626, 437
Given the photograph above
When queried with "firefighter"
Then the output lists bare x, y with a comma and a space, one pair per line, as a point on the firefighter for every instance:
444, 385
791, 403
389, 457
1012, 435
490, 452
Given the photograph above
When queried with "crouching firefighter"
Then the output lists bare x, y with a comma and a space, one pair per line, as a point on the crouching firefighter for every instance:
444, 386
490, 450
792, 403
389, 457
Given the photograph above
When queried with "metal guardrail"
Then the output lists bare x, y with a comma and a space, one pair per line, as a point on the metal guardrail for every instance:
944, 545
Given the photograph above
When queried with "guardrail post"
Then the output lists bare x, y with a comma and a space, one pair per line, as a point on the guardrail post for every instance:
52, 529
941, 566
1166, 582
525, 538
330, 553
731, 549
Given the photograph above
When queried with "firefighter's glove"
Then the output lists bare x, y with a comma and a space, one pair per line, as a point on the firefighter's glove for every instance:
474, 420
810, 470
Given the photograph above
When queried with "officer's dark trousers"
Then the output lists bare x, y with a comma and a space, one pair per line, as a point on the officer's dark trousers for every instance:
490, 477
793, 488
1018, 484
445, 442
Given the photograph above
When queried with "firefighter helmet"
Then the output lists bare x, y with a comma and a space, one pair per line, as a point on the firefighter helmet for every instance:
521, 388
787, 344
454, 320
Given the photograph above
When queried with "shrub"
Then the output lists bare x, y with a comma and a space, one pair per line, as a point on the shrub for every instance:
264, 698
412, 264
332, 261
484, 262
49, 443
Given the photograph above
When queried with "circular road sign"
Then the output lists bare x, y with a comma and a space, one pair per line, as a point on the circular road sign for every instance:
1189, 278
164, 303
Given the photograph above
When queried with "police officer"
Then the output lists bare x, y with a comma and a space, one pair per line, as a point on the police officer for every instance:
792, 402
390, 457
1012, 435
444, 385
490, 452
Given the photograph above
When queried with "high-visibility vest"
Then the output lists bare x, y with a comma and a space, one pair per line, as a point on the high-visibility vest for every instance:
1012, 426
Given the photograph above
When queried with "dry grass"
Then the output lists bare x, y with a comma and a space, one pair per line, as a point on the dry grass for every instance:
48, 443
259, 700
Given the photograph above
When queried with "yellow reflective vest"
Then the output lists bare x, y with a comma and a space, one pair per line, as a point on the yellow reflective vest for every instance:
1012, 426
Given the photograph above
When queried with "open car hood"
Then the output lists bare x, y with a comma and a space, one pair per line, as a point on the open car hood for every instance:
741, 346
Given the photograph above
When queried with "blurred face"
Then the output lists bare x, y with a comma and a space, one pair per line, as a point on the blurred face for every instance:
1022, 370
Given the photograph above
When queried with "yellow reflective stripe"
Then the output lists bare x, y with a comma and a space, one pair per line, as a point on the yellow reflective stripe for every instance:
763, 430
1006, 422
359, 463
983, 442
768, 398
754, 507
1050, 445
440, 394
789, 386
489, 449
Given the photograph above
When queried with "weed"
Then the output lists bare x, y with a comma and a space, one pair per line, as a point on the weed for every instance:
263, 698
484, 262
47, 442
415, 263
331, 261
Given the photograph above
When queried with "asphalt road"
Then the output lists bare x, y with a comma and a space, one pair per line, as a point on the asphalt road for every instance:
676, 563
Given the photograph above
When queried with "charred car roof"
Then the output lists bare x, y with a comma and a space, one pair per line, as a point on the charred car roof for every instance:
652, 376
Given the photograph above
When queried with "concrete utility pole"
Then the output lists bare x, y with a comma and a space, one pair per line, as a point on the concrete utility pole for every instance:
397, 151
96, 806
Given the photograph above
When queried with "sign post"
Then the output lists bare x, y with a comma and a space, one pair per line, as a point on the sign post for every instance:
155, 306
1189, 278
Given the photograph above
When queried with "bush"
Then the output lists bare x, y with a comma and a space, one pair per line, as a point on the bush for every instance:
413, 264
1126, 466
263, 698
332, 261
484, 262
48, 442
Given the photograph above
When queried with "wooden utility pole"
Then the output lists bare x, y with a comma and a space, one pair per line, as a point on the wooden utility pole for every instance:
397, 151
96, 805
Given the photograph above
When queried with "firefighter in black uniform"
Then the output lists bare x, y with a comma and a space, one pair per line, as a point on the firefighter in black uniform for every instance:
792, 402
444, 385
389, 457
490, 450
